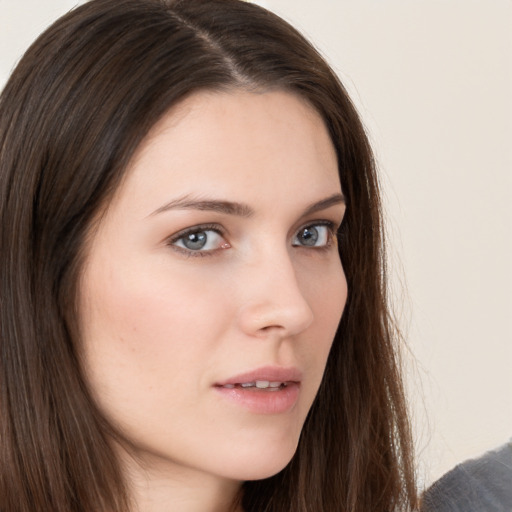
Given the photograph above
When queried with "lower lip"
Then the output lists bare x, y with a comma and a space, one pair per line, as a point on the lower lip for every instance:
263, 401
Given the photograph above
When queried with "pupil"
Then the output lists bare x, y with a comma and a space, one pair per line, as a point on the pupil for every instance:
309, 236
195, 241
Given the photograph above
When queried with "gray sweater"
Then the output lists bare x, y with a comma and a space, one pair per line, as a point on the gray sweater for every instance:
477, 485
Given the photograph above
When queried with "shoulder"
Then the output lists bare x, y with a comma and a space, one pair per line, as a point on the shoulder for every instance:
477, 485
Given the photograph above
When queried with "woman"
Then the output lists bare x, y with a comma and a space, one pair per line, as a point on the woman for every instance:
174, 175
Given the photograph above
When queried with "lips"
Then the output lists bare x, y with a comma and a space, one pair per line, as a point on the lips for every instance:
259, 384
268, 377
267, 390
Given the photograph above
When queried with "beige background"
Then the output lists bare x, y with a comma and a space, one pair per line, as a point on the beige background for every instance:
433, 82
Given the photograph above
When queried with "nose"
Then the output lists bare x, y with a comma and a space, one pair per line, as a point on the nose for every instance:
274, 303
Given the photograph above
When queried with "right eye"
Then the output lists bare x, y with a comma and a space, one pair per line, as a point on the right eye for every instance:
199, 240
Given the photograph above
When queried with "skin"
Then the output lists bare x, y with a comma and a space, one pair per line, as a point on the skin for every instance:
162, 324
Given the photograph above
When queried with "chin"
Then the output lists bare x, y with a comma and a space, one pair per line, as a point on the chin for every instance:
262, 462
265, 472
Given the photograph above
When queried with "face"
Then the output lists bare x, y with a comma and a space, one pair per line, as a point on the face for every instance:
213, 288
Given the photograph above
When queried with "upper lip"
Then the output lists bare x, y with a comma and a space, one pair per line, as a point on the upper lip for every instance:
265, 373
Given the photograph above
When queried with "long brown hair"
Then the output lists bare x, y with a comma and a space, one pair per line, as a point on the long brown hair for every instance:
71, 116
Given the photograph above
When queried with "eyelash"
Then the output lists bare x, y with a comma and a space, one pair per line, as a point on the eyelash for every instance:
331, 227
332, 233
190, 231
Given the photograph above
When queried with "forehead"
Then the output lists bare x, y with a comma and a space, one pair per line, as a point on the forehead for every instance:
235, 142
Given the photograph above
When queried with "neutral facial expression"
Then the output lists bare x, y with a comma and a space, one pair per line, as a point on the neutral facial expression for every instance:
213, 287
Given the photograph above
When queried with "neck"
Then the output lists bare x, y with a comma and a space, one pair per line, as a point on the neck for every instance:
164, 487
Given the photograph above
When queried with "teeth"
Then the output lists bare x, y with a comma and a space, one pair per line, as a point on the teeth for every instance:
258, 384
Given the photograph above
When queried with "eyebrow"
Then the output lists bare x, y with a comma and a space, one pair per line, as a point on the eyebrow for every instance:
238, 209
324, 204
210, 205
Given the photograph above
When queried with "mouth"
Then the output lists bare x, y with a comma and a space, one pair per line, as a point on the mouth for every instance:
267, 390
259, 385
264, 377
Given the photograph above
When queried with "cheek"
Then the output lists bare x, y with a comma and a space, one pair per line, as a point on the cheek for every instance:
326, 293
143, 314
327, 296
145, 347
138, 327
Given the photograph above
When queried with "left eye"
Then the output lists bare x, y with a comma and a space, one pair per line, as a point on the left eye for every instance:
317, 235
199, 240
